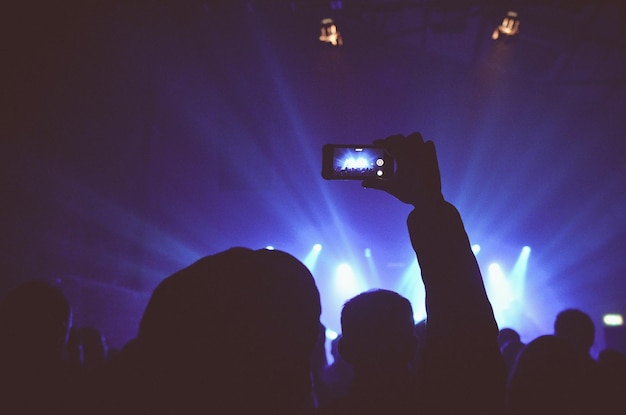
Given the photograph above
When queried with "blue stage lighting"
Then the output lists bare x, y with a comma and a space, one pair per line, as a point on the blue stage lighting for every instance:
495, 269
500, 293
411, 287
346, 282
475, 249
368, 253
331, 334
419, 315
518, 273
311, 259
344, 272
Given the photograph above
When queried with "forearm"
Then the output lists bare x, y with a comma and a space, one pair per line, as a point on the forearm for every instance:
454, 287
462, 367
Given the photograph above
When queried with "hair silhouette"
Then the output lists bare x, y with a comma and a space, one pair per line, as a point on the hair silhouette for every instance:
233, 332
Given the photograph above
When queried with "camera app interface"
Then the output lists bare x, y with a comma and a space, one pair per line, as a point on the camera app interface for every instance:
358, 162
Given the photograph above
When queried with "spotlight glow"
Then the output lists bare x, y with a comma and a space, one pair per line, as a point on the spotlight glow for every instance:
494, 269
499, 292
475, 249
346, 283
518, 273
367, 253
412, 288
613, 320
269, 248
331, 334
356, 163
311, 259
419, 315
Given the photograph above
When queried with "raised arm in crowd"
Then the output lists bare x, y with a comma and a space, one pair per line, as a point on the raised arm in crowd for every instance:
461, 369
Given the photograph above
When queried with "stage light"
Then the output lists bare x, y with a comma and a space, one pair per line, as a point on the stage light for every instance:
411, 287
509, 26
329, 33
344, 273
346, 282
475, 249
331, 334
613, 320
367, 253
269, 248
500, 293
311, 258
419, 315
518, 273
495, 269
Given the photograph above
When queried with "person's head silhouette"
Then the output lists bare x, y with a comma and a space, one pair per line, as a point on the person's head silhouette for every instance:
35, 319
233, 332
576, 327
378, 332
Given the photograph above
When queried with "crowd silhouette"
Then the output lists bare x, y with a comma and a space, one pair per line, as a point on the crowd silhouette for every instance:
239, 332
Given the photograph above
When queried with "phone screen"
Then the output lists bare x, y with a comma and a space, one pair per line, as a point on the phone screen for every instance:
355, 162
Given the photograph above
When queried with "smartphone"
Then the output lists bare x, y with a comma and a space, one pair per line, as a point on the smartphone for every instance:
355, 162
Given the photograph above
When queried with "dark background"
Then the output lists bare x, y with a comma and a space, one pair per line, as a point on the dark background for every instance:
139, 136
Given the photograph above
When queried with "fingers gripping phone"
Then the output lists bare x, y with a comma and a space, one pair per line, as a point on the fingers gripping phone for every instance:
355, 162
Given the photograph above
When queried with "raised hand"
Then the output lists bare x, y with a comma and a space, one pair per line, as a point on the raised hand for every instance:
416, 180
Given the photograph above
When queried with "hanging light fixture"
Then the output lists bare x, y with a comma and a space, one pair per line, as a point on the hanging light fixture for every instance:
329, 32
508, 27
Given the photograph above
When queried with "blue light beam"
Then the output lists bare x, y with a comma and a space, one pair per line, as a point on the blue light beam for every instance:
311, 259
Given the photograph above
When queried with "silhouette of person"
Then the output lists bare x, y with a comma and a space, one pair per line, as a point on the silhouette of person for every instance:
335, 379
318, 363
378, 341
510, 346
35, 319
551, 377
461, 368
613, 368
208, 341
577, 328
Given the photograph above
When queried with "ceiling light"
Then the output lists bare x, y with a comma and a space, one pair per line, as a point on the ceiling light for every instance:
508, 27
329, 33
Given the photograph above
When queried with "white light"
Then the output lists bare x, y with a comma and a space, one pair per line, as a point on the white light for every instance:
368, 253
346, 282
317, 247
269, 247
331, 334
329, 33
613, 320
356, 163
475, 249
495, 269
419, 316
344, 271
508, 27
